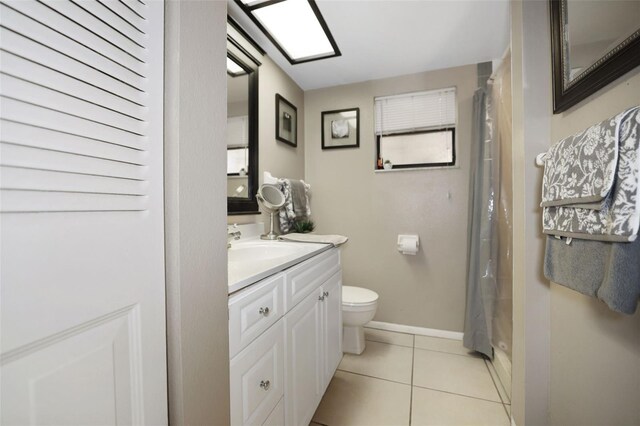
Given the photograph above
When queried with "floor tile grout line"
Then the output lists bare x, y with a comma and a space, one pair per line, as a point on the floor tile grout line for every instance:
497, 381
387, 343
425, 349
373, 377
413, 366
451, 353
458, 394
506, 412
493, 381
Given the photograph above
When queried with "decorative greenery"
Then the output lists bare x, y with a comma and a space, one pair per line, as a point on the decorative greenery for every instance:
303, 226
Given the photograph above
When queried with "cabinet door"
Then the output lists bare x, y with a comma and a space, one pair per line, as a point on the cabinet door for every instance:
256, 376
332, 326
304, 355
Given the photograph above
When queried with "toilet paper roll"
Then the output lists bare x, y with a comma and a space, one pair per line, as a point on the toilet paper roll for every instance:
408, 244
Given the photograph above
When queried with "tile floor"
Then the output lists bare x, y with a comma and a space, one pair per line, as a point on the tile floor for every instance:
402, 379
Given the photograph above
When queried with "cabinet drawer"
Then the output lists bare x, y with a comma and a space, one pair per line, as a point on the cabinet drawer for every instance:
302, 279
257, 378
254, 310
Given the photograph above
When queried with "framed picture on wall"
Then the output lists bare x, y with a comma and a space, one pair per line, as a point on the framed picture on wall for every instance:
286, 121
341, 128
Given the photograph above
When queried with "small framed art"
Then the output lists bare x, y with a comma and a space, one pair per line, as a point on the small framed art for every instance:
286, 121
341, 128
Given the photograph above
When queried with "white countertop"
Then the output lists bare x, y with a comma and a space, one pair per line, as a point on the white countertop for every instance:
252, 259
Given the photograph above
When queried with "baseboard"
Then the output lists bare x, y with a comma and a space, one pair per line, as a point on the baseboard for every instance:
422, 331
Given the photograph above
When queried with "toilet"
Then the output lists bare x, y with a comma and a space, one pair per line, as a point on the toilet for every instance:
358, 308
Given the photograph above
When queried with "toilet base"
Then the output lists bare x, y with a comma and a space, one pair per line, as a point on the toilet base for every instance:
353, 339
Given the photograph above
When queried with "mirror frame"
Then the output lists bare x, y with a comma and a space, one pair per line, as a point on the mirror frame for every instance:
238, 206
617, 62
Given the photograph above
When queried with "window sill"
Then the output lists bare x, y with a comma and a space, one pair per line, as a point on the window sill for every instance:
413, 169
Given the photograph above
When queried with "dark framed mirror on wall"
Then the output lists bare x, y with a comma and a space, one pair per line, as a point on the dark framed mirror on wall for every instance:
242, 129
593, 44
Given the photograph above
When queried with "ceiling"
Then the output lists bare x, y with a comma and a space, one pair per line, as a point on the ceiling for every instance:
386, 38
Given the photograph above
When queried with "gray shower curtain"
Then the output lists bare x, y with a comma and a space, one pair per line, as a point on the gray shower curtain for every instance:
481, 276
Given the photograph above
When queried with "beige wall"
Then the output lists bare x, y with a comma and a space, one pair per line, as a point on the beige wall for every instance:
575, 362
280, 159
348, 197
195, 212
595, 356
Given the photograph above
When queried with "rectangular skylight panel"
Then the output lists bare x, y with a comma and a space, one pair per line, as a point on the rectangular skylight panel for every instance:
295, 27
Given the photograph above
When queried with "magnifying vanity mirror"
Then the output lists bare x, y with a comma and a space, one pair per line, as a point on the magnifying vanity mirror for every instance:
242, 129
271, 199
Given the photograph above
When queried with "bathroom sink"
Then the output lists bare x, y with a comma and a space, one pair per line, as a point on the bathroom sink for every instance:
253, 259
260, 251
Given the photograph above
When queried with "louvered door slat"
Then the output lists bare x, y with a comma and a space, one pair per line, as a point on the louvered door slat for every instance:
37, 202
43, 14
50, 57
124, 18
46, 36
59, 185
36, 115
71, 163
48, 78
36, 137
77, 12
15, 88
135, 6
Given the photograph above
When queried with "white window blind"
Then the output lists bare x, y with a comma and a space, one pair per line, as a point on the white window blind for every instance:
238, 131
409, 112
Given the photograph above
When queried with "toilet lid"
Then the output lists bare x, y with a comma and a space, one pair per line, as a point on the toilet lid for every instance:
358, 295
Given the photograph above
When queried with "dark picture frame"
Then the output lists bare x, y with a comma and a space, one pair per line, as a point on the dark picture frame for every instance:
341, 128
617, 62
286, 121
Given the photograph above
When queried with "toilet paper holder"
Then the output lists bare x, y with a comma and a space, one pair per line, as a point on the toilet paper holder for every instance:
408, 244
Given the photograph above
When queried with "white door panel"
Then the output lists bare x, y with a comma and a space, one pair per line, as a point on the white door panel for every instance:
82, 298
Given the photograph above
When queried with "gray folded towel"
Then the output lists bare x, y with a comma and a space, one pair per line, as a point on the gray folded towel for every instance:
299, 199
296, 204
608, 271
336, 240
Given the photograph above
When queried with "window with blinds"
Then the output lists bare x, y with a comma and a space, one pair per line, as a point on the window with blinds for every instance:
416, 130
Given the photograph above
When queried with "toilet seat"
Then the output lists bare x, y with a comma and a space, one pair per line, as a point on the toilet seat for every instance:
358, 296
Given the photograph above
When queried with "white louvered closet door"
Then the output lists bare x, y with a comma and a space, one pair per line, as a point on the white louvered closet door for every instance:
81, 212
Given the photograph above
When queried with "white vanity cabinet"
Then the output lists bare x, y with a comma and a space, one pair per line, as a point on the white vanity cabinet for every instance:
285, 342
314, 349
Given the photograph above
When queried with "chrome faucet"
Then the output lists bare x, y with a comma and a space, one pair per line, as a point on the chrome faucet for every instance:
233, 233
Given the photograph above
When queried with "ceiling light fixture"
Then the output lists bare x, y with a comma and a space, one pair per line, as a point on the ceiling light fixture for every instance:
233, 69
295, 27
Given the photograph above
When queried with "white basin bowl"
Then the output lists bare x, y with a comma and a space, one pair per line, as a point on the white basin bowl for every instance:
260, 251
252, 260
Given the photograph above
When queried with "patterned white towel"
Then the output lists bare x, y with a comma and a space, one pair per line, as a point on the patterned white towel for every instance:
580, 169
597, 214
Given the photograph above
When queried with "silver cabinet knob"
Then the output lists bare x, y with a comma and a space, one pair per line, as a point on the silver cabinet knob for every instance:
325, 294
264, 311
321, 298
265, 384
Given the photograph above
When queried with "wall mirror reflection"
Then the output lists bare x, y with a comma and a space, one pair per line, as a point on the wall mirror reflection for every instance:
242, 129
593, 43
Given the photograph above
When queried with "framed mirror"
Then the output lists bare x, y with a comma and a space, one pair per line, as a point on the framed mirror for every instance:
242, 130
593, 43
